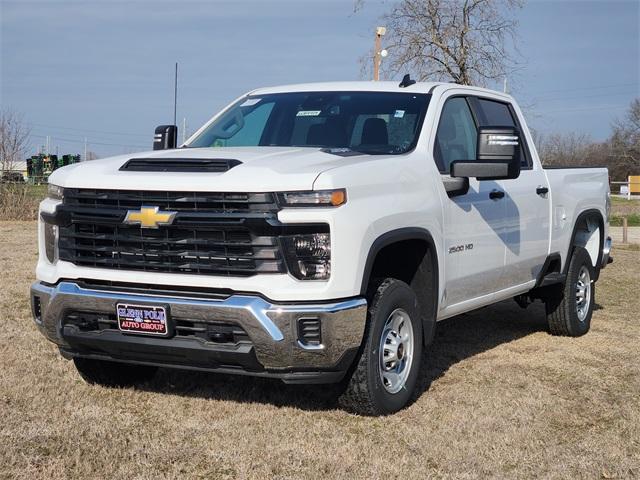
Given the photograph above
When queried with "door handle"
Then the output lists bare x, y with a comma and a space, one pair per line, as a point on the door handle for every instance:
542, 190
496, 194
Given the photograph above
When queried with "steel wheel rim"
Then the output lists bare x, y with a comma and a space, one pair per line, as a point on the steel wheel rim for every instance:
396, 351
583, 293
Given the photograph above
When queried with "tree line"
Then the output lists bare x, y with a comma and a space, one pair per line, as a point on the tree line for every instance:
620, 152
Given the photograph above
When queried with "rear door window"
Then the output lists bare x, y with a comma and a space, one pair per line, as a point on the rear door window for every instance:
495, 114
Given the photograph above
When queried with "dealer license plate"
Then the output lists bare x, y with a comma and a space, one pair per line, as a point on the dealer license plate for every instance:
143, 319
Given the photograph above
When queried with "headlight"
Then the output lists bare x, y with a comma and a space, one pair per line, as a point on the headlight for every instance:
319, 198
51, 242
55, 192
308, 256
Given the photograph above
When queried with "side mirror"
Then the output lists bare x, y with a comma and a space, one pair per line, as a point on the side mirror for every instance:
497, 157
165, 137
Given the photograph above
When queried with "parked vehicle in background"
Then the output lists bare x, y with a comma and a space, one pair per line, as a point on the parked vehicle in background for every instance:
38, 167
315, 233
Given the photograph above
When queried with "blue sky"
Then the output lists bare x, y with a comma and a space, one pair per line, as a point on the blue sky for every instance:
104, 69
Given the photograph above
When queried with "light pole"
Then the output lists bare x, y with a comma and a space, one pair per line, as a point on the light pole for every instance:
378, 53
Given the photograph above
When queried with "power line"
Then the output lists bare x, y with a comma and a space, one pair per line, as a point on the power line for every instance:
80, 136
60, 139
535, 99
90, 131
595, 107
589, 88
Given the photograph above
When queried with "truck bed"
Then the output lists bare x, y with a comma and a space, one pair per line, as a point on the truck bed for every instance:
575, 190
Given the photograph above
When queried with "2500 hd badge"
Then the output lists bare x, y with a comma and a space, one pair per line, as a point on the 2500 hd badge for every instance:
461, 248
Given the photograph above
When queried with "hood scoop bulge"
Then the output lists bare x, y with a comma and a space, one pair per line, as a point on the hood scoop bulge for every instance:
216, 165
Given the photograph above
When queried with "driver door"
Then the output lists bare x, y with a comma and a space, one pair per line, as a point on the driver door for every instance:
474, 245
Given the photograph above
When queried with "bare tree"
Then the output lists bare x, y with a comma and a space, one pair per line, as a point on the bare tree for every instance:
464, 41
14, 139
625, 140
620, 153
564, 149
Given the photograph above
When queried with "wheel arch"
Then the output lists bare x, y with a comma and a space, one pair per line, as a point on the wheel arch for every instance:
418, 267
584, 235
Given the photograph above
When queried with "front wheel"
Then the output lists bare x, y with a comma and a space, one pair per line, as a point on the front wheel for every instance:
570, 308
385, 376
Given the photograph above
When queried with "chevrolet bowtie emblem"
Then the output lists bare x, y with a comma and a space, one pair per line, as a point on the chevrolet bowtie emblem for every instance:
149, 217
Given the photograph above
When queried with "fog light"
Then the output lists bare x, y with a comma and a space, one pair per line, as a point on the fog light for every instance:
36, 307
309, 331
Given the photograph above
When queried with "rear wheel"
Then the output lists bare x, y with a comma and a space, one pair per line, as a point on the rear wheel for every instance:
570, 308
113, 374
385, 376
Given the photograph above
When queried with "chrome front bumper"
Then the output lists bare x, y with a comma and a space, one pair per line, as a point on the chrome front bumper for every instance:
272, 328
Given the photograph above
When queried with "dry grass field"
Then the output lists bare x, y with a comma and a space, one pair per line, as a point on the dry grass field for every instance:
505, 399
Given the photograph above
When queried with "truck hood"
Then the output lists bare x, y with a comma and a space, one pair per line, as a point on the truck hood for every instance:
261, 169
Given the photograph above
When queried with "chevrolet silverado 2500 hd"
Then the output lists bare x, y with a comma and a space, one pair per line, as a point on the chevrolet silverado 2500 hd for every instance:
315, 233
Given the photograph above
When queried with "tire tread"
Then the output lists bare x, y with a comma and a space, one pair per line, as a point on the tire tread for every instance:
561, 317
358, 395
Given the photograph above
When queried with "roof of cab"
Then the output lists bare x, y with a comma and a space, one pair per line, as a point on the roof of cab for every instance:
370, 86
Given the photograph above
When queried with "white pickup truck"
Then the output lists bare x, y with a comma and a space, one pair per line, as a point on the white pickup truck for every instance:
315, 233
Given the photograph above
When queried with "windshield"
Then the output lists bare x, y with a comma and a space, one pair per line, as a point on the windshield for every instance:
368, 122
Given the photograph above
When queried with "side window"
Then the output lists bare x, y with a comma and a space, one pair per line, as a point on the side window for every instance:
498, 114
457, 134
495, 114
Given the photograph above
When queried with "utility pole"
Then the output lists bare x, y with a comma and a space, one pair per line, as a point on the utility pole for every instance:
377, 54
47, 152
504, 87
85, 149
184, 129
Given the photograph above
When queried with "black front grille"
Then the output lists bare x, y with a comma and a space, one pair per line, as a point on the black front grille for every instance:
234, 234
181, 201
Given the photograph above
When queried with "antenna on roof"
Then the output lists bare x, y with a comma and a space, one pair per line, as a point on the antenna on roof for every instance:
175, 94
406, 81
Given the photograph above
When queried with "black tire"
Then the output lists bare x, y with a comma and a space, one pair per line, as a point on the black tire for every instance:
365, 393
562, 305
113, 374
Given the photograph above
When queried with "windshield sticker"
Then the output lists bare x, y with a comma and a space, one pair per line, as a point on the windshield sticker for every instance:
250, 102
398, 114
308, 113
